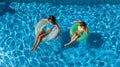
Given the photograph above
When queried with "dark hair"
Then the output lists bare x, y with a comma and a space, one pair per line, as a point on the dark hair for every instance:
51, 17
83, 24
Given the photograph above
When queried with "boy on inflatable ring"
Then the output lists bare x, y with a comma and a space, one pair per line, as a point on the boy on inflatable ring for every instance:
78, 32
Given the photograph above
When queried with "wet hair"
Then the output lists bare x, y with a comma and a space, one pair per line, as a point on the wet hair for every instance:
83, 24
51, 17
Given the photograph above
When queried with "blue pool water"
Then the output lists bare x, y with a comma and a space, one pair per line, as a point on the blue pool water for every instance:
101, 49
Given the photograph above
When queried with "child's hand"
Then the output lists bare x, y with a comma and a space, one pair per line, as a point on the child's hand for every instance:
57, 38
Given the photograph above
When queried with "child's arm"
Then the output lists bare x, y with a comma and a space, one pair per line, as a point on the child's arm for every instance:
86, 30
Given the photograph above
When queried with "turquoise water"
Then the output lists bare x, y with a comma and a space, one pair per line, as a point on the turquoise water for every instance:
101, 49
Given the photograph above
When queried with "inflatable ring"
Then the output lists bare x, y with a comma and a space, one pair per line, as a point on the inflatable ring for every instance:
74, 28
40, 25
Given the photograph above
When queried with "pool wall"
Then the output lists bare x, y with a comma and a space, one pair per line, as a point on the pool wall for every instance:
69, 2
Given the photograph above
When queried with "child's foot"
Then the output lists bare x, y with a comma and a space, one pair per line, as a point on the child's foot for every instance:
32, 49
66, 44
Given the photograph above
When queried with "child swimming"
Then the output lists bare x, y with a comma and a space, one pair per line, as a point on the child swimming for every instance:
81, 28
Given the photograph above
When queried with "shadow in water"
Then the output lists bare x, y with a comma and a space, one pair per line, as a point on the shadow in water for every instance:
4, 7
95, 40
65, 38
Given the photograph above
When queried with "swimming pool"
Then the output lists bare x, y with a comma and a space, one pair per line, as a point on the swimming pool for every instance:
101, 49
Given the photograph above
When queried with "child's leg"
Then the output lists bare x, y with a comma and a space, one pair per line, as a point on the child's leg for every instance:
38, 39
74, 37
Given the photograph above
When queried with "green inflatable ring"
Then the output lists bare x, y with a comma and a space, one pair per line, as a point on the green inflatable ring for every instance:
73, 29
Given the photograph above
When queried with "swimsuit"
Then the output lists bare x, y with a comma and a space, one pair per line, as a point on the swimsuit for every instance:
79, 31
49, 25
